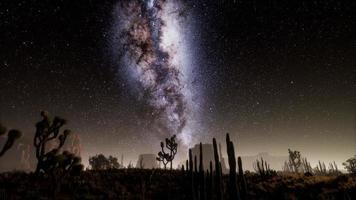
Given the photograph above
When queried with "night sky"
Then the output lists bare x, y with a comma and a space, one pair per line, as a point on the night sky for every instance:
275, 75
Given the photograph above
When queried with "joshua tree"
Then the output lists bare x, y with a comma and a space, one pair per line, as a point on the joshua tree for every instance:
350, 165
48, 162
166, 157
163, 157
12, 136
295, 160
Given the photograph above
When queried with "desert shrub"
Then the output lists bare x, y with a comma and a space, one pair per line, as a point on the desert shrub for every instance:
100, 162
350, 165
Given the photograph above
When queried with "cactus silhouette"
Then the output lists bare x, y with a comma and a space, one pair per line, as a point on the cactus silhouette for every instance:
242, 180
191, 174
218, 181
320, 169
232, 189
263, 169
187, 165
209, 185
201, 174
306, 166
12, 136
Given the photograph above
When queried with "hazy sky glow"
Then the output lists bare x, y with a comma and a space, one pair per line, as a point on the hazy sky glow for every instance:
275, 76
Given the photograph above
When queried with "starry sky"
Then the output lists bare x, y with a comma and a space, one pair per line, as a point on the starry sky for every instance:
275, 75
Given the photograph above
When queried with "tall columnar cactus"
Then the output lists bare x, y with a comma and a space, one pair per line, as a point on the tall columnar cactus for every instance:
320, 168
201, 174
263, 168
242, 180
190, 161
195, 165
232, 189
191, 174
307, 168
187, 166
211, 167
12, 136
210, 182
218, 182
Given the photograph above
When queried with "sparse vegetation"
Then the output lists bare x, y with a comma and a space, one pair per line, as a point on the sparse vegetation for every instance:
100, 162
263, 169
163, 184
64, 172
320, 169
350, 165
307, 168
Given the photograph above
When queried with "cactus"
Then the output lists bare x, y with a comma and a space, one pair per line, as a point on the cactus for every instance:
187, 165
320, 169
333, 169
190, 161
210, 181
242, 180
201, 173
306, 166
218, 182
191, 174
232, 189
262, 168
208, 185
12, 136
195, 165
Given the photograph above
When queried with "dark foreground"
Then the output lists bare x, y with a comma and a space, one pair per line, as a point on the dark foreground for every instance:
160, 184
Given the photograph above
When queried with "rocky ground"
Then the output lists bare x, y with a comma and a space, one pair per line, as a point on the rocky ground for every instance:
161, 184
